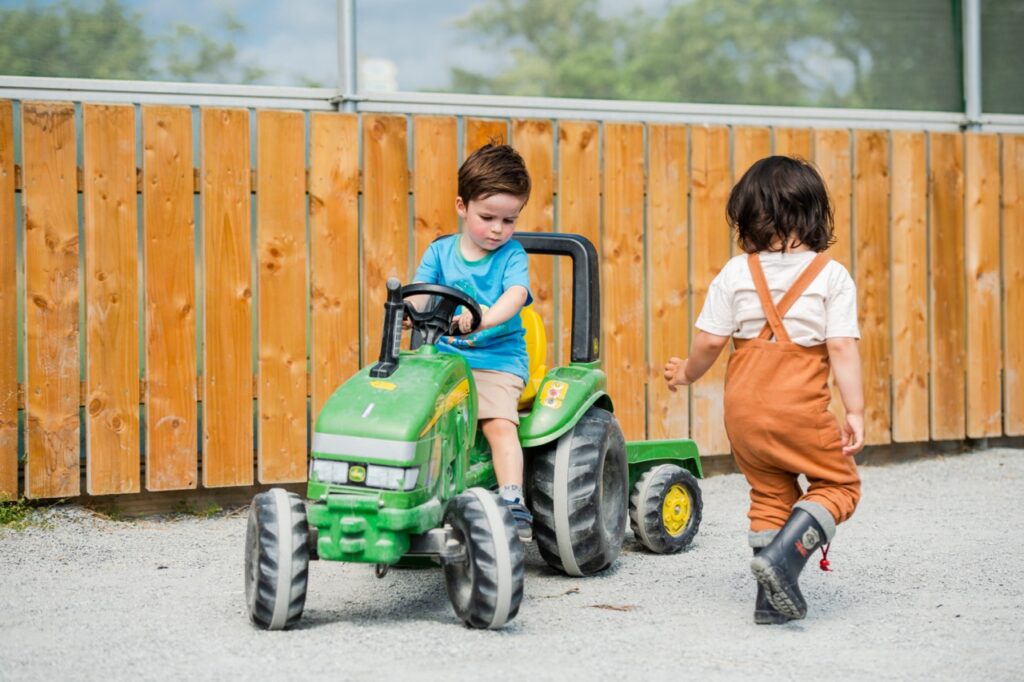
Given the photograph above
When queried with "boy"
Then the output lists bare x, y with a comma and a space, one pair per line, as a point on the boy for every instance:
484, 262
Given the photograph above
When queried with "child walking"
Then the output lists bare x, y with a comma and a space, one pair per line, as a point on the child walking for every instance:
486, 263
792, 314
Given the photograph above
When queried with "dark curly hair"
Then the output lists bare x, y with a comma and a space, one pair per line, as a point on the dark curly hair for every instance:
779, 198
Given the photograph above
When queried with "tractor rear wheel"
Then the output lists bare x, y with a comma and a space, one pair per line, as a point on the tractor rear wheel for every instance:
578, 491
487, 586
276, 559
665, 509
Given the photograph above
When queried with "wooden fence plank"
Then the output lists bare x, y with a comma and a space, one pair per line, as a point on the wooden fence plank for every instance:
710, 185
749, 145
795, 142
281, 248
51, 307
871, 194
668, 249
334, 250
227, 296
981, 227
1013, 283
946, 317
435, 180
169, 252
910, 287
385, 219
534, 140
480, 131
111, 298
622, 271
579, 208
832, 157
8, 310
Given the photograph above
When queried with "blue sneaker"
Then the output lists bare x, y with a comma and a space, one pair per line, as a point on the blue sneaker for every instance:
522, 517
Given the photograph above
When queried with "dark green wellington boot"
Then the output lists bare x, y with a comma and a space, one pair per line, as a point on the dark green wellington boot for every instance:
777, 567
764, 612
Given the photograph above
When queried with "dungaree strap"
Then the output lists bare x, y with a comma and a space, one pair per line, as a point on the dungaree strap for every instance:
773, 313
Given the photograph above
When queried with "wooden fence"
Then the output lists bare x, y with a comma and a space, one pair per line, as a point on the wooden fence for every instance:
226, 290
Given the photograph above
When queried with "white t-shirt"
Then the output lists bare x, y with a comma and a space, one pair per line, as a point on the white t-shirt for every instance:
826, 309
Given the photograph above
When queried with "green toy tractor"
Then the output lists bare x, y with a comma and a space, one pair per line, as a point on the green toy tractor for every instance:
400, 473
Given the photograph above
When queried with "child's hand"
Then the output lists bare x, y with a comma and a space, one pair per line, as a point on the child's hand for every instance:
853, 434
464, 322
675, 373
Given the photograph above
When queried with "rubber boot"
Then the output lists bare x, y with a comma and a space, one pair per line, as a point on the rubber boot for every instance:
764, 612
777, 567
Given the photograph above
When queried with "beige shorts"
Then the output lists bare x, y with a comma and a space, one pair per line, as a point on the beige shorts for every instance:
498, 394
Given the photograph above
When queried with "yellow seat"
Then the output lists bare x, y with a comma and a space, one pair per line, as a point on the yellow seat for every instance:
537, 350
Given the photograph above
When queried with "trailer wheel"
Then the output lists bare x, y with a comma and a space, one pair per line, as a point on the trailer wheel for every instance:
276, 559
578, 491
486, 588
665, 509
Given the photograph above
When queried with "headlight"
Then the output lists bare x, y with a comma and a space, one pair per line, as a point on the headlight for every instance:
329, 471
391, 478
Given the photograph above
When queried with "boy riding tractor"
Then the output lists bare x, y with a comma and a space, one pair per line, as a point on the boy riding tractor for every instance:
399, 471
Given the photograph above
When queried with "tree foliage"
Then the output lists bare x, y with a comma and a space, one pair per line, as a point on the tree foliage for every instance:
785, 52
107, 40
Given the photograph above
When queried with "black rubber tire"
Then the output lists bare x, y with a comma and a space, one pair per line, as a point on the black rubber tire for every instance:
647, 504
487, 588
276, 559
578, 490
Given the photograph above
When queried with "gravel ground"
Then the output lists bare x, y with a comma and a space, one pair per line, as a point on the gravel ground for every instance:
926, 585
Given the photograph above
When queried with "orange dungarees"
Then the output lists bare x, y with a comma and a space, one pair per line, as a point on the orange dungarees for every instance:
777, 418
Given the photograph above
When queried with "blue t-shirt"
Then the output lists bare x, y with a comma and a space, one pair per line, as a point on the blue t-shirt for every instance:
500, 348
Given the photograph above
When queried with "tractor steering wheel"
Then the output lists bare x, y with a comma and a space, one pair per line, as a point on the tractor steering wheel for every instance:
434, 323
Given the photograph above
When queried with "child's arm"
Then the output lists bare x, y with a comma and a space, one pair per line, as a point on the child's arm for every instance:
703, 352
844, 355
505, 308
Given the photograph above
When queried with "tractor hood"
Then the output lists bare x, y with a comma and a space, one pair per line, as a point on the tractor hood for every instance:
385, 419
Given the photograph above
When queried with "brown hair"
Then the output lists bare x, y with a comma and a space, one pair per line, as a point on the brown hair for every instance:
493, 169
781, 196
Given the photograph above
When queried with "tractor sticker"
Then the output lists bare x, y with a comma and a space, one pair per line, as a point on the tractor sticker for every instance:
383, 385
553, 394
455, 397
357, 473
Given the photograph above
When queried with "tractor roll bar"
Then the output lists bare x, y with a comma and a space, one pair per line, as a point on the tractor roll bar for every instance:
586, 286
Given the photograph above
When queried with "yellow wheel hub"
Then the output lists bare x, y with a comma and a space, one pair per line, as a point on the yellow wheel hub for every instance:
675, 512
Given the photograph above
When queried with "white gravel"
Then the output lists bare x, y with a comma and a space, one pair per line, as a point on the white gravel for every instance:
926, 585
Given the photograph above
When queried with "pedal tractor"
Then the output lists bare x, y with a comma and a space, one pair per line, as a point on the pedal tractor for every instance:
400, 472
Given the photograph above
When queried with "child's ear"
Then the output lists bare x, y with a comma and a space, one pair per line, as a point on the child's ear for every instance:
460, 207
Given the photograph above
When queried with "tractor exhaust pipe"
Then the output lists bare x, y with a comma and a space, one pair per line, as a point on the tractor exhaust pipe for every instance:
391, 336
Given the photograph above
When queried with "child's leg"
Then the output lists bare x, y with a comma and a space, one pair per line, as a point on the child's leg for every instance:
773, 492
506, 451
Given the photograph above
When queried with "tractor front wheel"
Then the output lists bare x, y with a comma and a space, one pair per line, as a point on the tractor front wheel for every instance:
276, 559
486, 586
665, 509
578, 492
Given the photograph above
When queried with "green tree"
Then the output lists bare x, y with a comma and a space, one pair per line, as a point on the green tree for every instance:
785, 52
107, 40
